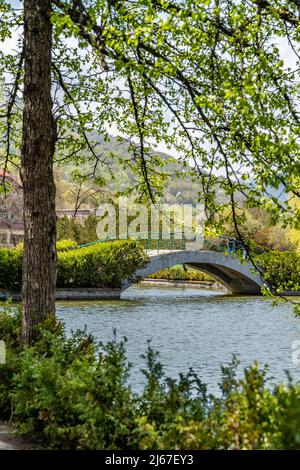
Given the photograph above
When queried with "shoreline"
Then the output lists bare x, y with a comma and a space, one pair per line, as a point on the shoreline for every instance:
183, 283
211, 285
98, 293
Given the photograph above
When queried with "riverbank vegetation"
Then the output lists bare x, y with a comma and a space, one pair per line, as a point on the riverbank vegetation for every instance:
277, 248
209, 81
181, 273
281, 269
69, 393
258, 229
107, 264
101, 265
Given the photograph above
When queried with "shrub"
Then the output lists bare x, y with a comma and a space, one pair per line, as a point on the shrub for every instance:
177, 273
71, 399
65, 245
61, 245
69, 393
281, 269
101, 265
11, 268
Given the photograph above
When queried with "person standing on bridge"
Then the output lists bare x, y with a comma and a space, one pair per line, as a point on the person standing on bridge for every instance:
246, 251
230, 245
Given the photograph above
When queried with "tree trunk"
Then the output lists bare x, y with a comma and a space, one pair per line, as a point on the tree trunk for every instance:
38, 146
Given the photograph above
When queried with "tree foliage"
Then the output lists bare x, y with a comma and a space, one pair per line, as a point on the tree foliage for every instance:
80, 232
281, 270
207, 78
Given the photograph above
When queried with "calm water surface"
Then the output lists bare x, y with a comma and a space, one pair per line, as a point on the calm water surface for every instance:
192, 328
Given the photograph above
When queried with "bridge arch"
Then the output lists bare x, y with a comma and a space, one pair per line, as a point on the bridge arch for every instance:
235, 275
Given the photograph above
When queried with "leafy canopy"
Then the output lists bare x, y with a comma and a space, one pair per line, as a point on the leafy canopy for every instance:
206, 77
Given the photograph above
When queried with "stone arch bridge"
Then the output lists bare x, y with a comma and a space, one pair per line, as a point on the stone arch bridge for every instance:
237, 276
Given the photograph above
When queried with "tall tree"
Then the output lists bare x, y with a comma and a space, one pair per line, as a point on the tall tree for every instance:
38, 146
205, 77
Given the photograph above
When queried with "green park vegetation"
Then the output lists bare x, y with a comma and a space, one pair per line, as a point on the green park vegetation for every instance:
106, 264
102, 265
281, 269
181, 273
276, 248
70, 393
204, 79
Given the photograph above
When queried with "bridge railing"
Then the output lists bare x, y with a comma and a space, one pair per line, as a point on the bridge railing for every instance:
176, 241
161, 241
228, 245
157, 242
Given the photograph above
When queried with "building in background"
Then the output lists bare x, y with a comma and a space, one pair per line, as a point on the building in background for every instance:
80, 214
11, 211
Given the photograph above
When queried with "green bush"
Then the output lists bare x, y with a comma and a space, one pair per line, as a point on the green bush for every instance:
72, 400
101, 265
179, 273
69, 393
281, 269
65, 245
61, 245
11, 268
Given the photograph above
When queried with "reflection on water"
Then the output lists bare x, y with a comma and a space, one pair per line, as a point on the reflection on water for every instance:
192, 328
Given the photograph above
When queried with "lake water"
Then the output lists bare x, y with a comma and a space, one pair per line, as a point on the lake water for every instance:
193, 328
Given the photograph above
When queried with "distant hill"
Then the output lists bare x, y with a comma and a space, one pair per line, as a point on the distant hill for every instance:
179, 187
117, 176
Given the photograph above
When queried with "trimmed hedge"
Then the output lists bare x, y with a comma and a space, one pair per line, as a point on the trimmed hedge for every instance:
107, 264
65, 245
11, 268
102, 265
